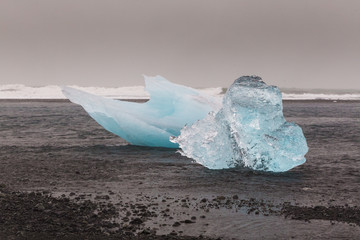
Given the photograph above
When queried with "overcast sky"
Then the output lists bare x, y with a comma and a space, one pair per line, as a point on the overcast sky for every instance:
200, 43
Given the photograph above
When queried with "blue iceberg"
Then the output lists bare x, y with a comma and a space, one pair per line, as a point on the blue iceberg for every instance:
249, 130
170, 108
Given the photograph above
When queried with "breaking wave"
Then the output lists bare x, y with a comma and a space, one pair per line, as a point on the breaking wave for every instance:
19, 91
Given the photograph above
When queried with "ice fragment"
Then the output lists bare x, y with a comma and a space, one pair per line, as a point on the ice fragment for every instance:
249, 130
170, 108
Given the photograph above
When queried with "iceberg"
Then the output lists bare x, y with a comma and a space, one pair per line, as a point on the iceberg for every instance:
170, 108
249, 130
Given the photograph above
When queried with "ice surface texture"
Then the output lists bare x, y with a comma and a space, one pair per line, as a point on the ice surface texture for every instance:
169, 109
249, 130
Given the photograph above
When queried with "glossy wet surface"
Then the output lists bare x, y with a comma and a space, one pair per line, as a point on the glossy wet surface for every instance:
56, 146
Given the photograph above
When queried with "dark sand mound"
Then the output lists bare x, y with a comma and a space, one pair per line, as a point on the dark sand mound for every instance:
40, 216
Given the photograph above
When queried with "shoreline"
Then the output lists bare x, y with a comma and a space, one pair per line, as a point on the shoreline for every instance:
56, 161
145, 100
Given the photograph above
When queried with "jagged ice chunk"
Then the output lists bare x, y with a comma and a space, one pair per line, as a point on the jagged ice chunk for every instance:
249, 130
170, 108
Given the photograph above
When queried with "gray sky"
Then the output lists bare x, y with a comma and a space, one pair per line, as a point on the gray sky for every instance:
199, 43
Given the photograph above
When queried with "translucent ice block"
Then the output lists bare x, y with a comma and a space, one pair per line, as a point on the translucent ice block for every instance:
170, 108
249, 130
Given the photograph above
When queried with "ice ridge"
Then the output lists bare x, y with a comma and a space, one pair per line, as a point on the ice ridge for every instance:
170, 108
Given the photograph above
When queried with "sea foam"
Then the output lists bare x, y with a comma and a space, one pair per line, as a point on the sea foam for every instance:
19, 91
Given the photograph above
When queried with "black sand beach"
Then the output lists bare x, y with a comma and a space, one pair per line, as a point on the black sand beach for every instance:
64, 177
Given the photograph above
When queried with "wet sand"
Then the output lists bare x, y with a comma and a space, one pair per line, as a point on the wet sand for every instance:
65, 177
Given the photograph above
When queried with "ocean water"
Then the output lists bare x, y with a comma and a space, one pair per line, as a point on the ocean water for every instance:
42, 143
19, 91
